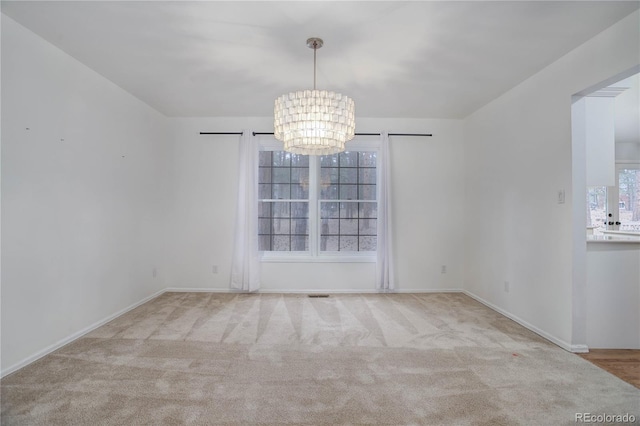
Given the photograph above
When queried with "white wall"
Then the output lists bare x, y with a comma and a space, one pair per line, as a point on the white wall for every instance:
600, 140
628, 152
427, 178
627, 121
613, 295
518, 151
83, 196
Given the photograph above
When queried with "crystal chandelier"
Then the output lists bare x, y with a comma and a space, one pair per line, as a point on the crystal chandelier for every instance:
314, 122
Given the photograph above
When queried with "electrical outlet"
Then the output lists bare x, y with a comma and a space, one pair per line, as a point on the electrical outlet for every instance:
506, 286
443, 269
154, 272
214, 269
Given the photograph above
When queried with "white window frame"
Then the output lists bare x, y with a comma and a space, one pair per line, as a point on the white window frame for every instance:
314, 254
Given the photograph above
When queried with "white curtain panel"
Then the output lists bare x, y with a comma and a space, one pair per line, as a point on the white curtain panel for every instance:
384, 266
245, 266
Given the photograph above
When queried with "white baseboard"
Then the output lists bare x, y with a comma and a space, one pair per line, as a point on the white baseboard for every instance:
579, 349
313, 291
74, 336
198, 290
553, 339
316, 291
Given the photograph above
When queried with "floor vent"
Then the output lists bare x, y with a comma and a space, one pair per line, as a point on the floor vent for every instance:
318, 295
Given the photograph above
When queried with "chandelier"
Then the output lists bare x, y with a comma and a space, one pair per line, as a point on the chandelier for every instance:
314, 122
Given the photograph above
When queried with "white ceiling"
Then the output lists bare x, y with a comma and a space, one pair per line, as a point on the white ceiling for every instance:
396, 59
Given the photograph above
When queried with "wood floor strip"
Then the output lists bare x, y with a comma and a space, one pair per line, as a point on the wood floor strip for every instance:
623, 363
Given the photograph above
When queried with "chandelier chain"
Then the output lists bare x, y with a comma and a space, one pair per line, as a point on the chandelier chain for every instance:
315, 49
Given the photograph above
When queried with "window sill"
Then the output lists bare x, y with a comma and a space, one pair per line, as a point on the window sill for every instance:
626, 239
271, 258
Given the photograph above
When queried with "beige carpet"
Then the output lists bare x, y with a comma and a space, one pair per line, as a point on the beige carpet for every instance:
207, 358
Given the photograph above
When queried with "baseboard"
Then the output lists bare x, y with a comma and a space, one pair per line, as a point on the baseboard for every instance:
75, 336
316, 291
579, 349
198, 290
356, 291
427, 290
553, 339
312, 290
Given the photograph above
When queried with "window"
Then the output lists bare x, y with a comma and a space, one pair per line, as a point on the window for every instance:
597, 208
283, 207
629, 198
348, 202
616, 208
322, 207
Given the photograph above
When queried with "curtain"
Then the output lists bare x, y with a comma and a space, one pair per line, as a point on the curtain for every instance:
384, 265
245, 266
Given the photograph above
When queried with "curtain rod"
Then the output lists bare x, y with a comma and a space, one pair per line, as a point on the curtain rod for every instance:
221, 133
357, 134
363, 134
